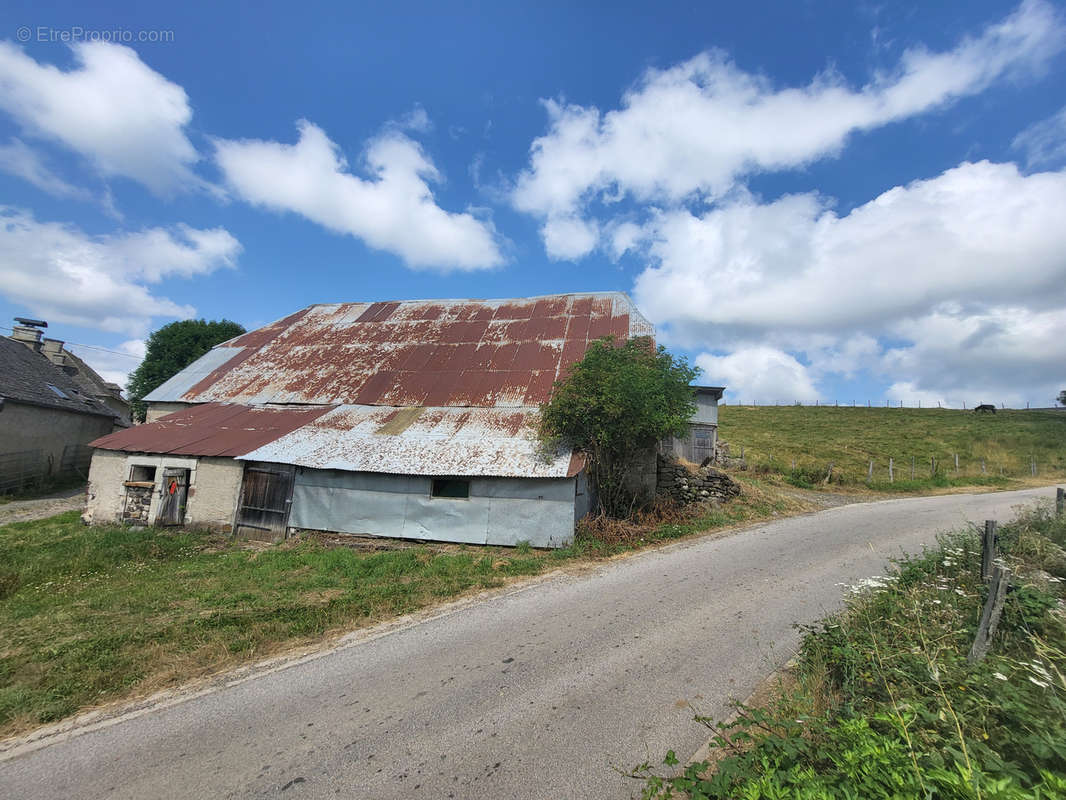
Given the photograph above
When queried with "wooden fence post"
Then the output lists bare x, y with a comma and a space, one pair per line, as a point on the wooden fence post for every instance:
956, 462
829, 474
891, 479
1060, 500
932, 466
990, 614
988, 549
913, 473
870, 472
982, 466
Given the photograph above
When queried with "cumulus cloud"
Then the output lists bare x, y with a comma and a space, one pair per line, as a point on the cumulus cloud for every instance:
696, 128
760, 374
964, 274
1044, 143
392, 210
113, 109
61, 273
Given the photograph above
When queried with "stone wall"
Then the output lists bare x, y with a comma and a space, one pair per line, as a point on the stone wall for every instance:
138, 504
687, 485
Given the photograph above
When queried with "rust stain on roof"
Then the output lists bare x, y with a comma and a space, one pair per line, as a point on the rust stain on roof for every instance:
482, 353
212, 429
496, 442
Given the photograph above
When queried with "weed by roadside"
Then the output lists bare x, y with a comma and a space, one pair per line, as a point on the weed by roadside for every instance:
887, 703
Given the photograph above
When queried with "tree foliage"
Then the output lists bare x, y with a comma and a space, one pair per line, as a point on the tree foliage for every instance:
615, 404
1062, 398
172, 348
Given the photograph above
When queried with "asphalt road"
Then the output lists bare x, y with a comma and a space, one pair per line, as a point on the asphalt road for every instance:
532, 693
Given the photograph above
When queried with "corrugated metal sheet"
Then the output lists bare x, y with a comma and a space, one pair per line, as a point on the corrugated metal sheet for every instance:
173, 389
212, 429
434, 353
437, 441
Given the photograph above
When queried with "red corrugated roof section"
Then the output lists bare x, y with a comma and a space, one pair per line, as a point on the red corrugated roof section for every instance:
212, 429
484, 353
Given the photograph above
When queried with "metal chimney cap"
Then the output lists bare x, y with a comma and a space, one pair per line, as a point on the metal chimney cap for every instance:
37, 323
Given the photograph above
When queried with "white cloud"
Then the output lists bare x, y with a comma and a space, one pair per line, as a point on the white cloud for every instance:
114, 110
963, 274
760, 374
17, 159
698, 127
1044, 142
393, 210
61, 273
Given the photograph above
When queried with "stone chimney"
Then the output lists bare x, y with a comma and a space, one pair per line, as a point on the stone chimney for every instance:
53, 350
28, 331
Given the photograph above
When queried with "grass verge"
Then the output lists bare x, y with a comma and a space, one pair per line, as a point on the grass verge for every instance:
92, 615
885, 703
797, 443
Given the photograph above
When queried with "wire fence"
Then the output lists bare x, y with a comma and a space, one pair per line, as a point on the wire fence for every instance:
855, 468
966, 406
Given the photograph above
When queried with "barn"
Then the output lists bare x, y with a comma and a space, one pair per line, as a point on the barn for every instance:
409, 419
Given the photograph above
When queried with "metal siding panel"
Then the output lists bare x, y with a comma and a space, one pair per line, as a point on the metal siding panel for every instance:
542, 523
524, 488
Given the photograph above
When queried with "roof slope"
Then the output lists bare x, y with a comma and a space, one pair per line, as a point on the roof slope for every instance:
482, 353
26, 376
496, 442
211, 429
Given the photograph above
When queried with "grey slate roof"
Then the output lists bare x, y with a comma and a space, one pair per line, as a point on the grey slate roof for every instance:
27, 376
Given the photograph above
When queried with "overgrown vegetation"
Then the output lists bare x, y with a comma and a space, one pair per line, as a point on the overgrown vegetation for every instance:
95, 614
170, 350
798, 443
887, 704
614, 405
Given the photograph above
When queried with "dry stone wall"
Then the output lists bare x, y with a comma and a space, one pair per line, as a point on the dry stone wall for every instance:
703, 485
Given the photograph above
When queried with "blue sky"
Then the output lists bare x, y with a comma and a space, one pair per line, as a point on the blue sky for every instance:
833, 201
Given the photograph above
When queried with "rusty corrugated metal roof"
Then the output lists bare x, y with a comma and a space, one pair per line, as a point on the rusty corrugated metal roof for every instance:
212, 429
478, 353
421, 441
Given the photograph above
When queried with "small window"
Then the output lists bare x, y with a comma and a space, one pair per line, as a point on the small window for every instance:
59, 392
140, 474
451, 487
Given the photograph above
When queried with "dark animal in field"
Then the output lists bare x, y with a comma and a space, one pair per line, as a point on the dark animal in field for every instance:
985, 408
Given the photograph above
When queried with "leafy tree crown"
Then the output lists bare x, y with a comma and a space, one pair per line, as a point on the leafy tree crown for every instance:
614, 405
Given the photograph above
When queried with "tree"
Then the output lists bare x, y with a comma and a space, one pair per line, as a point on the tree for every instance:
1062, 398
615, 404
170, 350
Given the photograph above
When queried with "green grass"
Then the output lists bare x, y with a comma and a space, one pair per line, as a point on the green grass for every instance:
775, 436
885, 703
94, 614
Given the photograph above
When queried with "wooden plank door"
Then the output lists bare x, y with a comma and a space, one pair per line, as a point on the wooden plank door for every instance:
175, 494
266, 497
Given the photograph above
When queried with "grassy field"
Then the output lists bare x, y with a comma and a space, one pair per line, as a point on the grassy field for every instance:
90, 615
885, 703
775, 437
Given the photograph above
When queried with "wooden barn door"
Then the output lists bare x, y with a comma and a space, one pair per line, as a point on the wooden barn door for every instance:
175, 493
266, 496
